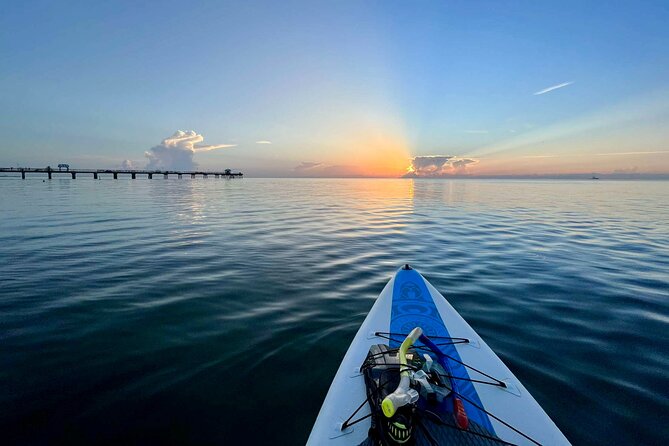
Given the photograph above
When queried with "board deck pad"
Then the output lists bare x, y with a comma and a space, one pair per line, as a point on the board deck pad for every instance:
413, 307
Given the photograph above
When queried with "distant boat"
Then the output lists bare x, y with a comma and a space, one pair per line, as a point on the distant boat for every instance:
594, 178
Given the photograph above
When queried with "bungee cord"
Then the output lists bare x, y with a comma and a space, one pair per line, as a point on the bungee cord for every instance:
423, 413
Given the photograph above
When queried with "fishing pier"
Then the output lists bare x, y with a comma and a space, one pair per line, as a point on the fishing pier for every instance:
114, 173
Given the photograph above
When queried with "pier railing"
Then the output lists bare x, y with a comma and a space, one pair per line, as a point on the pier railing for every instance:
114, 173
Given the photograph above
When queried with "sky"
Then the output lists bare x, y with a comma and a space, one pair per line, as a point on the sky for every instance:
338, 88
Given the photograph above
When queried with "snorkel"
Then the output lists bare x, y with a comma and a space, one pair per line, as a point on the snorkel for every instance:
403, 395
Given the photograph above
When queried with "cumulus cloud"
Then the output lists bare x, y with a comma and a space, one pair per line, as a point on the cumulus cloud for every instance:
306, 165
177, 151
127, 165
264, 141
554, 87
438, 165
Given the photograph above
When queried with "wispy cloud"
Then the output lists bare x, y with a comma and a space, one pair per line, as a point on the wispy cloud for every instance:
628, 170
264, 141
554, 87
658, 152
580, 155
306, 165
325, 170
539, 156
639, 109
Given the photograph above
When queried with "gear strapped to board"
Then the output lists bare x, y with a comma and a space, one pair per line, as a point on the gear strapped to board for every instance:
427, 412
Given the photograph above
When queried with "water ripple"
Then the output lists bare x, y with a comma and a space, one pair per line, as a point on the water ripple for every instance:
185, 311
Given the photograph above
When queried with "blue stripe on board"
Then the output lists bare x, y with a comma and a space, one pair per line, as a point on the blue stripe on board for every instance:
413, 307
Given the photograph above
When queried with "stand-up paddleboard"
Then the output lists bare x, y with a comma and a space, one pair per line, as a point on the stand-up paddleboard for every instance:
416, 373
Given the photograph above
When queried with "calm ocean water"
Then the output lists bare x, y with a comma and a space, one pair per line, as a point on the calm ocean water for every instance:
215, 311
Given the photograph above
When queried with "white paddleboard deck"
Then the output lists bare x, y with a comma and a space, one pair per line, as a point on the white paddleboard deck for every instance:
406, 302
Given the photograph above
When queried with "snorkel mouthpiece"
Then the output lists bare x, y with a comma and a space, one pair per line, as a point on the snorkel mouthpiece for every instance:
403, 395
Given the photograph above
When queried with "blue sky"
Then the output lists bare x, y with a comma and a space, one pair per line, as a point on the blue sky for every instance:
343, 88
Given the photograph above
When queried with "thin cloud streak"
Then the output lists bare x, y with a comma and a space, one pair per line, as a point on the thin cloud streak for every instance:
264, 142
554, 87
636, 109
540, 156
214, 147
659, 152
306, 165
632, 153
